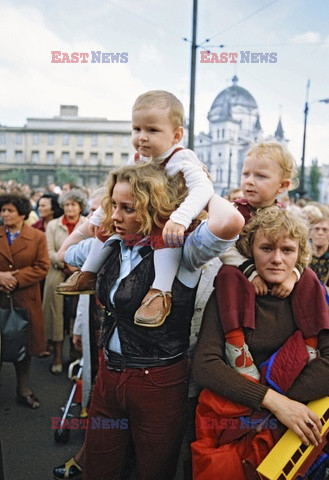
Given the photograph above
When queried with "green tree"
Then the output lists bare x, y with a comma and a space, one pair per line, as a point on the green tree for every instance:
314, 180
19, 176
65, 176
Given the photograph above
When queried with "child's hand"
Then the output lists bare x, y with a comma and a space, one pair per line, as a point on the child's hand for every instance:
173, 234
259, 285
282, 290
92, 229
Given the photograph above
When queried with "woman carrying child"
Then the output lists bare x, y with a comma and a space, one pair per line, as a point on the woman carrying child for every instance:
276, 331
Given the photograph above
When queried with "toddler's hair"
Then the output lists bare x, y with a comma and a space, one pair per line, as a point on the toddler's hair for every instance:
162, 99
277, 152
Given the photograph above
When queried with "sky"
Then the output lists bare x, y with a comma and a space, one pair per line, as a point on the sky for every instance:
156, 36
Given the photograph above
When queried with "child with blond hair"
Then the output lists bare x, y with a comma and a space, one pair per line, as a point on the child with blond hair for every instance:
157, 130
269, 170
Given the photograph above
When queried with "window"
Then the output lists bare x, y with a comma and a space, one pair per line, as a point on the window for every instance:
125, 141
66, 139
19, 138
79, 158
50, 158
109, 140
124, 158
35, 157
65, 158
19, 157
108, 158
93, 139
35, 180
80, 139
217, 133
93, 159
3, 156
35, 139
51, 138
2, 138
223, 132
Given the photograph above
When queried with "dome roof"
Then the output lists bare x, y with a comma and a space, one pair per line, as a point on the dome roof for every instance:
235, 95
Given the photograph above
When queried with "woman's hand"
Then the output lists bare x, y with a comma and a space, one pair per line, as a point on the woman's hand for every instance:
8, 281
92, 229
294, 415
77, 342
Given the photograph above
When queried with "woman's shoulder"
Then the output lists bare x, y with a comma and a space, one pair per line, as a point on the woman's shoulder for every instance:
31, 232
55, 222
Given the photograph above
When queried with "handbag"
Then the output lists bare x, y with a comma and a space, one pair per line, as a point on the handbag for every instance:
13, 333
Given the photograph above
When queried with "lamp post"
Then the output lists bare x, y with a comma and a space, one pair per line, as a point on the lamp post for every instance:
301, 189
194, 46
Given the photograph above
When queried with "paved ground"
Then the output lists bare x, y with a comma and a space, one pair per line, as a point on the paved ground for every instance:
29, 449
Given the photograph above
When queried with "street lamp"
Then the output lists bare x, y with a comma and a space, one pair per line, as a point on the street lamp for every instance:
301, 189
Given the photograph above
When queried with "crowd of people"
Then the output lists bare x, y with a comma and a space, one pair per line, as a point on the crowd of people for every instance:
154, 229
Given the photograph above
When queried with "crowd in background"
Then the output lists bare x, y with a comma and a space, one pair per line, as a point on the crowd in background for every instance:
50, 203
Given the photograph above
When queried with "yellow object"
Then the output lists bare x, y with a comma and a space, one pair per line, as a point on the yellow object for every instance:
286, 458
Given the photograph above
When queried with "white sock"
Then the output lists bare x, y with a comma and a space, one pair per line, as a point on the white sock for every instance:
166, 263
96, 256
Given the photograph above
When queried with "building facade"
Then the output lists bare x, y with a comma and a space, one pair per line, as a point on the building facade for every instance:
87, 147
234, 125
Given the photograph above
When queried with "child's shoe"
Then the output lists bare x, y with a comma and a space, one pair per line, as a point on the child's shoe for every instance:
78, 283
154, 310
241, 360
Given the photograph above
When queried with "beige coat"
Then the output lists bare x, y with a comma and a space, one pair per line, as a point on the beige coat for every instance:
28, 253
53, 304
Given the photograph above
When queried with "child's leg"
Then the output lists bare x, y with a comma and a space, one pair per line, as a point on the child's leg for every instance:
157, 303
96, 257
84, 281
166, 263
238, 355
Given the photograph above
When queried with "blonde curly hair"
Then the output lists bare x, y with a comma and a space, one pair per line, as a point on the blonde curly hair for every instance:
155, 195
276, 223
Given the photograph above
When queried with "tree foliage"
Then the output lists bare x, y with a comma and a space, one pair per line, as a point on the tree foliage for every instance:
65, 176
19, 176
314, 180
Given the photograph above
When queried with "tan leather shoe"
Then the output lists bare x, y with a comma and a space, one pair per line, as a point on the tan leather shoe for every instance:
154, 310
78, 283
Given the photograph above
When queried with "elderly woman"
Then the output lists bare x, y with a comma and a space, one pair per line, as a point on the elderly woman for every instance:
74, 203
278, 332
143, 374
24, 262
48, 208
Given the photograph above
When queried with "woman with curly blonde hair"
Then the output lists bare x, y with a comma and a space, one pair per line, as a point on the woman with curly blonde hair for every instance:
142, 379
288, 341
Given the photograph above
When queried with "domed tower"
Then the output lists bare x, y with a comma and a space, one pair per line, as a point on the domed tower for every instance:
234, 125
236, 104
